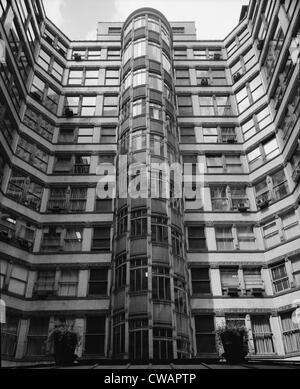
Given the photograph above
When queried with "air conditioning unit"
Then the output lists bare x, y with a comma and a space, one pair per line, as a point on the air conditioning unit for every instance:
43, 294
237, 77
231, 139
296, 174
36, 96
69, 113
77, 57
217, 56
257, 291
260, 44
57, 208
232, 291
242, 207
263, 204
204, 82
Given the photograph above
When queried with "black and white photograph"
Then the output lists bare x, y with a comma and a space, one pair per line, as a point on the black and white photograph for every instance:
149, 189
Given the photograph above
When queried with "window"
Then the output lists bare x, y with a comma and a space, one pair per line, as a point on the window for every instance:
166, 63
157, 145
263, 153
291, 333
139, 22
180, 53
185, 105
161, 283
94, 55
45, 282
44, 94
224, 164
79, 54
200, 281
120, 271
290, 225
138, 274
196, 237
155, 82
139, 223
85, 135
122, 221
119, 334
207, 106
257, 123
37, 336
246, 238
127, 53
229, 279
200, 54
154, 51
250, 94
33, 154
187, 135
176, 242
95, 336
271, 234
162, 343
101, 239
205, 334
159, 227
182, 77
75, 77
110, 106
88, 106
223, 106
224, 238
98, 282
156, 111
180, 296
280, 278
138, 339
139, 48
91, 77
253, 280
112, 77
9, 334
153, 24
35, 121
18, 280
113, 54
210, 134
108, 135
273, 188
68, 283
25, 191
139, 77
139, 107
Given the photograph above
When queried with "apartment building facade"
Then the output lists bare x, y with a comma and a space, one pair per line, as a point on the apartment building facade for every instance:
150, 277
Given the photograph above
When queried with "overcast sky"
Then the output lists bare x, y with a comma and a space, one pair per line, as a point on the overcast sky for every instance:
78, 18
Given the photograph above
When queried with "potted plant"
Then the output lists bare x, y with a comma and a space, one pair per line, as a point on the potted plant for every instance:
234, 341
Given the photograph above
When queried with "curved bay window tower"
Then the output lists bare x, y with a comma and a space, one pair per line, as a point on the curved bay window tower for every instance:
150, 312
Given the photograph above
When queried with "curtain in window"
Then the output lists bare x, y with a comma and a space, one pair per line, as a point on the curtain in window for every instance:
262, 335
291, 333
